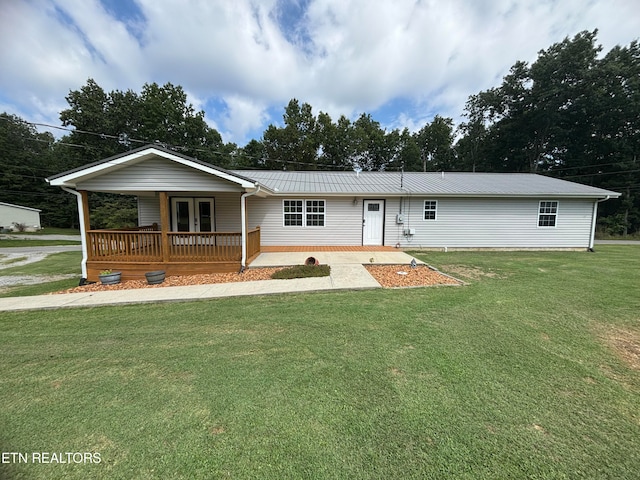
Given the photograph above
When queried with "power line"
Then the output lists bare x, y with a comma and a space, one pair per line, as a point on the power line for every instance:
599, 174
123, 138
583, 166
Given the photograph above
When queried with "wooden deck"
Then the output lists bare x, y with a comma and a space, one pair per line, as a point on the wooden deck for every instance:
135, 252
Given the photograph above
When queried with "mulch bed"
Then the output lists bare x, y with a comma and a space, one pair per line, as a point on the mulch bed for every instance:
403, 276
386, 275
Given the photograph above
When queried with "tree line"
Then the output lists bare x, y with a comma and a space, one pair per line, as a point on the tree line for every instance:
573, 113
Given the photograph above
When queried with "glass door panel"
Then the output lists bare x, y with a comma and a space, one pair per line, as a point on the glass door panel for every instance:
205, 216
182, 215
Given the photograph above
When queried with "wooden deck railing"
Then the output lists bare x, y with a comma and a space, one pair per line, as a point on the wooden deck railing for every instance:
205, 247
253, 242
124, 246
146, 246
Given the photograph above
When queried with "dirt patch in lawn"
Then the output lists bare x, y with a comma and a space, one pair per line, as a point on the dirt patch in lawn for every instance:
472, 273
626, 345
402, 276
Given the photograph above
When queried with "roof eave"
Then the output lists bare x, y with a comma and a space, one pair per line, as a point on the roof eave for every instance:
278, 193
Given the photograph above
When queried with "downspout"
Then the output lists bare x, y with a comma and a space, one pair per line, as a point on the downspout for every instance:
593, 221
83, 232
243, 219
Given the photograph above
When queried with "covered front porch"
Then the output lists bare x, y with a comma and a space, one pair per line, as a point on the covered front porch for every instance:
192, 215
169, 244
135, 252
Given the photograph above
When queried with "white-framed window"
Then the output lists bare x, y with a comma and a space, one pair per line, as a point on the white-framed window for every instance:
304, 213
430, 210
292, 211
547, 213
315, 210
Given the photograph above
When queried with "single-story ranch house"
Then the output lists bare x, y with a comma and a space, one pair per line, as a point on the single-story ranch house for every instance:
197, 218
16, 217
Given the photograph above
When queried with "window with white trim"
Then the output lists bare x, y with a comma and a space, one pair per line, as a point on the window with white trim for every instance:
304, 213
315, 213
292, 210
547, 213
430, 209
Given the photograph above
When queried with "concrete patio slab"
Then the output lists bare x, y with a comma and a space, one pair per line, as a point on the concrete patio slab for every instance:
279, 259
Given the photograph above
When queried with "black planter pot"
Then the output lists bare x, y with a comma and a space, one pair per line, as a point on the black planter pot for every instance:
156, 277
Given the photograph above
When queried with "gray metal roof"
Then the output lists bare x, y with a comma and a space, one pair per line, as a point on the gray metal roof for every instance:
418, 183
322, 183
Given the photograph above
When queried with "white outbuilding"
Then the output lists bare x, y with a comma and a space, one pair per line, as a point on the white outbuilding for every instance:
14, 217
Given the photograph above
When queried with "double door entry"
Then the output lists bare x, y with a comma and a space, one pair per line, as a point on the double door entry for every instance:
192, 214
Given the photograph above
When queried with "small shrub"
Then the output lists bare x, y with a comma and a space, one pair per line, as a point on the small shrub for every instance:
302, 271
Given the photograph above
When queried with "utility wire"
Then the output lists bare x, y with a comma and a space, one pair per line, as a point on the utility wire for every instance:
266, 159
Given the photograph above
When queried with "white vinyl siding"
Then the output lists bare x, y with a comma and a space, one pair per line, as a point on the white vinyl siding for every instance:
228, 212
227, 209
461, 222
343, 223
157, 174
489, 223
148, 210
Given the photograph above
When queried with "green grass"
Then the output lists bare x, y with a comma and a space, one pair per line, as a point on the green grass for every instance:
303, 271
521, 374
8, 261
56, 263
39, 289
51, 231
36, 242
65, 263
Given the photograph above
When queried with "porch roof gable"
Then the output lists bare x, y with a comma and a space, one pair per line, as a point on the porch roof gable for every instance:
72, 177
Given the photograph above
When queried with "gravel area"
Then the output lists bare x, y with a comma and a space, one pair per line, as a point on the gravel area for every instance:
386, 275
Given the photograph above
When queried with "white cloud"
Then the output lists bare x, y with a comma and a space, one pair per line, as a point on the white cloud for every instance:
244, 115
247, 57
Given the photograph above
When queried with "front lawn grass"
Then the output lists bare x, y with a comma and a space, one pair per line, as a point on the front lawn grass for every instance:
38, 289
50, 231
64, 263
36, 242
528, 372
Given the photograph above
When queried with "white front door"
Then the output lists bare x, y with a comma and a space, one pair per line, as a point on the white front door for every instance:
373, 222
192, 214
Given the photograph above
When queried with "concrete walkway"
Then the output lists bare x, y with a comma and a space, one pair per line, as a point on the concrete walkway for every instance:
347, 273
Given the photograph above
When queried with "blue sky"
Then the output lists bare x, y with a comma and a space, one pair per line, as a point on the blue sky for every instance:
241, 61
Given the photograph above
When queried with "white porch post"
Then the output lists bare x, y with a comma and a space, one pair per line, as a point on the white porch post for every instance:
83, 217
243, 219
